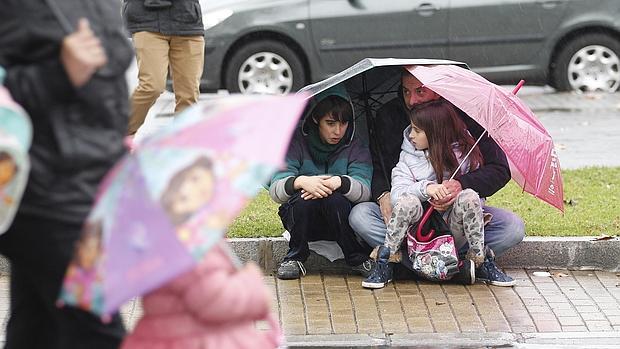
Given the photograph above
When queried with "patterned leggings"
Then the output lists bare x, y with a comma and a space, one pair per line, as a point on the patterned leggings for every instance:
464, 218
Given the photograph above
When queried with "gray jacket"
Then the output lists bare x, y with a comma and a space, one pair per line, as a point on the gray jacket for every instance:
414, 171
183, 17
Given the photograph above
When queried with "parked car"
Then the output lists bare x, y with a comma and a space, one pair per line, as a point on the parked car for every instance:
278, 46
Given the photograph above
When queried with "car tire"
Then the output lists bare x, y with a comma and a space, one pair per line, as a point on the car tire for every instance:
573, 72
247, 72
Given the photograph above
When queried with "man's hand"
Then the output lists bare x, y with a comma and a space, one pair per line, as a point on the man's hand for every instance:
312, 187
385, 205
82, 54
454, 188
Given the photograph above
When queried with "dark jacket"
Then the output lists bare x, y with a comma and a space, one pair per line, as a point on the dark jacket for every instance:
392, 118
183, 17
77, 133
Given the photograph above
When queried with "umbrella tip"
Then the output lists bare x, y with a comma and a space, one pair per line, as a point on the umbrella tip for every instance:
518, 87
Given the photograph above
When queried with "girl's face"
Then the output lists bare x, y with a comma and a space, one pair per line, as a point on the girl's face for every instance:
195, 191
331, 130
418, 138
88, 251
7, 171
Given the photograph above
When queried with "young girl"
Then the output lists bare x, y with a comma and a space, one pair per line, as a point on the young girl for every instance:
431, 151
215, 305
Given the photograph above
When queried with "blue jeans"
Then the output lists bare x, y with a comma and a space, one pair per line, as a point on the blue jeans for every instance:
504, 231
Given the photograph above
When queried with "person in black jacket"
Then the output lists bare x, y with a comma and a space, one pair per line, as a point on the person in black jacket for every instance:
165, 33
65, 62
369, 219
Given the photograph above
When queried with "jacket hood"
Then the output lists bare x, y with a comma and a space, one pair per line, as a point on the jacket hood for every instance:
337, 90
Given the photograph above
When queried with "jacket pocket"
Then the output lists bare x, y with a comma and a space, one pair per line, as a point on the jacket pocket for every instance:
185, 11
135, 12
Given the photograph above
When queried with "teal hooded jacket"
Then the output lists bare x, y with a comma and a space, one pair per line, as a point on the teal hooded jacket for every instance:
351, 160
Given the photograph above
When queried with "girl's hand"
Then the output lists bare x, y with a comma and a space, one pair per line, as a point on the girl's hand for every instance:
437, 191
312, 187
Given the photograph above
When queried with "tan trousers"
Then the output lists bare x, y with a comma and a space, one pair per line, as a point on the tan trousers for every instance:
154, 53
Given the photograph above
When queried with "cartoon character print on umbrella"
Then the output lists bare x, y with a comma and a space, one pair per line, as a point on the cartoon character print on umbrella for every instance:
83, 283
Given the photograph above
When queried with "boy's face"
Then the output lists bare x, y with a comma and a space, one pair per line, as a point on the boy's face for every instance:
195, 191
331, 130
7, 171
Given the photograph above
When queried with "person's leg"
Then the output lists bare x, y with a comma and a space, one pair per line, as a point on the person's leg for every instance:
152, 57
187, 58
407, 211
336, 210
467, 225
504, 231
367, 222
40, 258
299, 216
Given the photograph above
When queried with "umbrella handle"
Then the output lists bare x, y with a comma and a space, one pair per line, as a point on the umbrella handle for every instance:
418, 234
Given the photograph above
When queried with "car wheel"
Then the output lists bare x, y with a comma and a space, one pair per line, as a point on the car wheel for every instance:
265, 67
590, 62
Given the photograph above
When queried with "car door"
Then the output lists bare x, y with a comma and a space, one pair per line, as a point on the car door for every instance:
346, 31
496, 35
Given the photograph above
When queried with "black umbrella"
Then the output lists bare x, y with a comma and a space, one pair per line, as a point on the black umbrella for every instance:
371, 82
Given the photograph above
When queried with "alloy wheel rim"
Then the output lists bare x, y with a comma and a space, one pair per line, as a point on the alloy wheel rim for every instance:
265, 73
594, 68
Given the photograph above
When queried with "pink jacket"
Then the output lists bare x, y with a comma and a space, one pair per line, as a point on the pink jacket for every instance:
213, 306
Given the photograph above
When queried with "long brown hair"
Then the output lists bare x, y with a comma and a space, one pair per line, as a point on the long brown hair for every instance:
443, 127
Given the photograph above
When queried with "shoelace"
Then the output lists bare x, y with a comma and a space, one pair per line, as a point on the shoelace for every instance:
299, 265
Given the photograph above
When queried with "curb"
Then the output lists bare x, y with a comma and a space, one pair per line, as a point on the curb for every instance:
558, 340
574, 253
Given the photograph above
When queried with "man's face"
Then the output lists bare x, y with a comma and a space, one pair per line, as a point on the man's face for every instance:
414, 93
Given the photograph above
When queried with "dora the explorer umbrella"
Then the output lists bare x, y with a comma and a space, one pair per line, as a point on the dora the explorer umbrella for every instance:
167, 203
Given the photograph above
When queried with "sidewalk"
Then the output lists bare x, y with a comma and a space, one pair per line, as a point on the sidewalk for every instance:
567, 308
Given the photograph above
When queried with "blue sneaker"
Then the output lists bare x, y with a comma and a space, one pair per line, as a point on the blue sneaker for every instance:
381, 273
490, 273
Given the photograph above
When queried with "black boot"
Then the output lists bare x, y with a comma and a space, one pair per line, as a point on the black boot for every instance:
381, 273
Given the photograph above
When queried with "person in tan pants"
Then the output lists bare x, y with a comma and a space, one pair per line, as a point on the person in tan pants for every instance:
166, 35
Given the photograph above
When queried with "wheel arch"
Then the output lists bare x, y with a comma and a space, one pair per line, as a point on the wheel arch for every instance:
264, 35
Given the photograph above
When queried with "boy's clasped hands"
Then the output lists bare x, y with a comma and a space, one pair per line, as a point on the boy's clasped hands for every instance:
317, 187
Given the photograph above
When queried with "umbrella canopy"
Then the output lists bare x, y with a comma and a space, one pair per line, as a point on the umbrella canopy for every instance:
372, 82
534, 164
167, 203
15, 139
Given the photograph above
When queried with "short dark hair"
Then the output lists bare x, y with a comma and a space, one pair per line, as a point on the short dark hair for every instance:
335, 106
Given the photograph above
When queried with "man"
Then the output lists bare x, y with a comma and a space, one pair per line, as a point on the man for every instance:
369, 219
165, 33
65, 64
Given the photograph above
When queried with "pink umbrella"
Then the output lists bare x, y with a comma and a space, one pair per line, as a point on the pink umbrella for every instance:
529, 148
